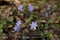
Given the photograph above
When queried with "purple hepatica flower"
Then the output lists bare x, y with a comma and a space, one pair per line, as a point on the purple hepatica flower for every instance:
33, 25
17, 26
46, 14
19, 23
20, 7
30, 8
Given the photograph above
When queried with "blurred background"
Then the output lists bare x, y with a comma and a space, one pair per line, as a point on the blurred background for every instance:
30, 19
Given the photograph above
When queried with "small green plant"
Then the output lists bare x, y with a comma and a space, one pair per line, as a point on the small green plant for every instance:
58, 5
39, 26
42, 35
2, 22
43, 0
46, 26
50, 21
1, 31
11, 20
58, 26
1, 26
59, 17
54, 7
49, 35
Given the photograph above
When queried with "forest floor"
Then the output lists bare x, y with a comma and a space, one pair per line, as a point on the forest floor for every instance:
48, 24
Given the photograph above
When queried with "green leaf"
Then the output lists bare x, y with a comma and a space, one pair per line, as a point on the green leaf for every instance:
42, 35
32, 15
59, 17
1, 25
58, 26
51, 21
3, 21
43, 0
11, 20
46, 26
58, 5
54, 7
49, 35
1, 31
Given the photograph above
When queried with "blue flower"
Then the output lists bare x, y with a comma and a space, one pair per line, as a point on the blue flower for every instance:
17, 26
20, 7
46, 14
19, 23
30, 8
33, 25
